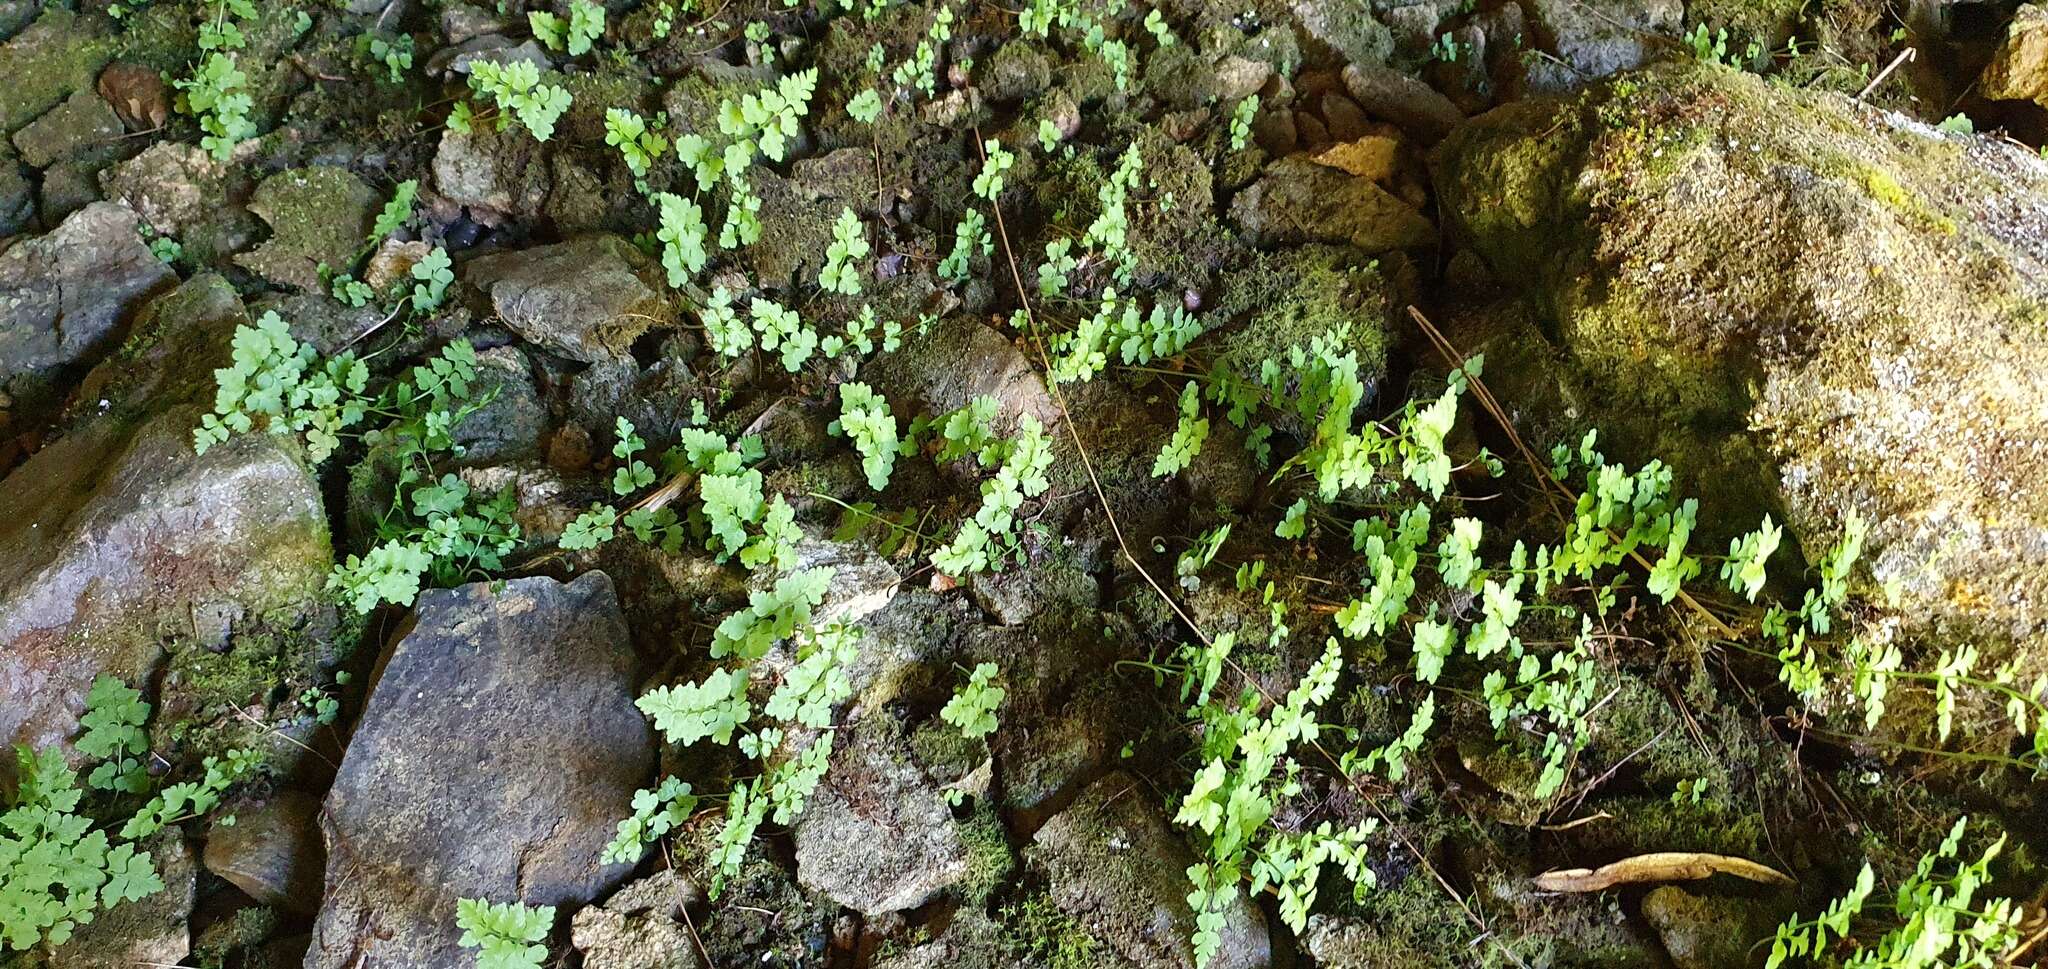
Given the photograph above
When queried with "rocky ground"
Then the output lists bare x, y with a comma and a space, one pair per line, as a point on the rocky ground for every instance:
1286, 530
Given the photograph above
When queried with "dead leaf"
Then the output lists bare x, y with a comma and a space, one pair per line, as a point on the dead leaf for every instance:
137, 94
1661, 866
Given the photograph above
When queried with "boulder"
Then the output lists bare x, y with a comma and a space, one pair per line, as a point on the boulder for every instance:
318, 216
928, 372
498, 748
2019, 68
118, 537
1595, 38
1112, 862
66, 295
1708, 931
1299, 201
587, 299
502, 172
878, 836
1802, 303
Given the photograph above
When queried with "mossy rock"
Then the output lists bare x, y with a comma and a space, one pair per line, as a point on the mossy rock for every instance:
1803, 304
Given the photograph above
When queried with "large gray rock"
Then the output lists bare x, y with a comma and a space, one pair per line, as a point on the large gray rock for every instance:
1299, 201
65, 295
1112, 862
1798, 301
117, 538
174, 186
587, 299
878, 837
497, 750
83, 123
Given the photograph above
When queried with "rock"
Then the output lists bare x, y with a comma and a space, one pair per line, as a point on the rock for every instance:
2019, 69
1342, 117
1013, 596
504, 172
151, 931
174, 186
587, 299
1410, 104
65, 296
1112, 862
1595, 38
1016, 71
1371, 157
510, 424
879, 837
17, 197
1706, 932
1300, 201
118, 534
863, 582
1803, 359
1351, 31
640, 927
927, 371
137, 94
67, 187
1238, 78
318, 216
272, 852
54, 56
497, 749
971, 940
81, 123
1043, 767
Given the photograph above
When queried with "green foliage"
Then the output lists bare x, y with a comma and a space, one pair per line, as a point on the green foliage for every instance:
973, 708
695, 711
632, 474
969, 236
765, 120
842, 271
1241, 122
865, 106
282, 385
113, 722
515, 87
431, 276
190, 799
1932, 923
986, 539
56, 871
394, 52
584, 26
595, 526
1188, 435
637, 144
1155, 24
921, 70
988, 183
216, 92
655, 813
818, 682
1744, 569
682, 234
507, 935
772, 615
396, 212
864, 417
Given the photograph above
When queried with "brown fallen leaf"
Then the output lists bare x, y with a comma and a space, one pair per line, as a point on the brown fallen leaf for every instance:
1661, 866
137, 94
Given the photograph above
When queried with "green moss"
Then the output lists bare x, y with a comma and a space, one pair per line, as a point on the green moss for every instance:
60, 53
1288, 298
991, 863
1044, 936
1889, 193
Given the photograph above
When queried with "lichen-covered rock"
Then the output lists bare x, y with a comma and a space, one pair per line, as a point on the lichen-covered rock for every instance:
642, 926
174, 186
2019, 69
80, 123
497, 749
47, 61
928, 372
879, 837
1802, 301
118, 536
65, 295
1299, 201
587, 299
1595, 38
1113, 862
1706, 931
505, 172
318, 216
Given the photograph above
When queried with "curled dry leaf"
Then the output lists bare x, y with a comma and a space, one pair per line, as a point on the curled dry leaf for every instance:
137, 94
1661, 866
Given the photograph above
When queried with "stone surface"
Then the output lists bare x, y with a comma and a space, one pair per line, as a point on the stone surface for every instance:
172, 185
1370, 157
80, 123
1113, 862
1706, 932
1595, 38
1392, 96
2019, 68
504, 172
1298, 200
272, 852
151, 931
587, 299
65, 296
640, 927
51, 58
928, 372
509, 425
318, 216
878, 838
117, 536
497, 749
1841, 315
